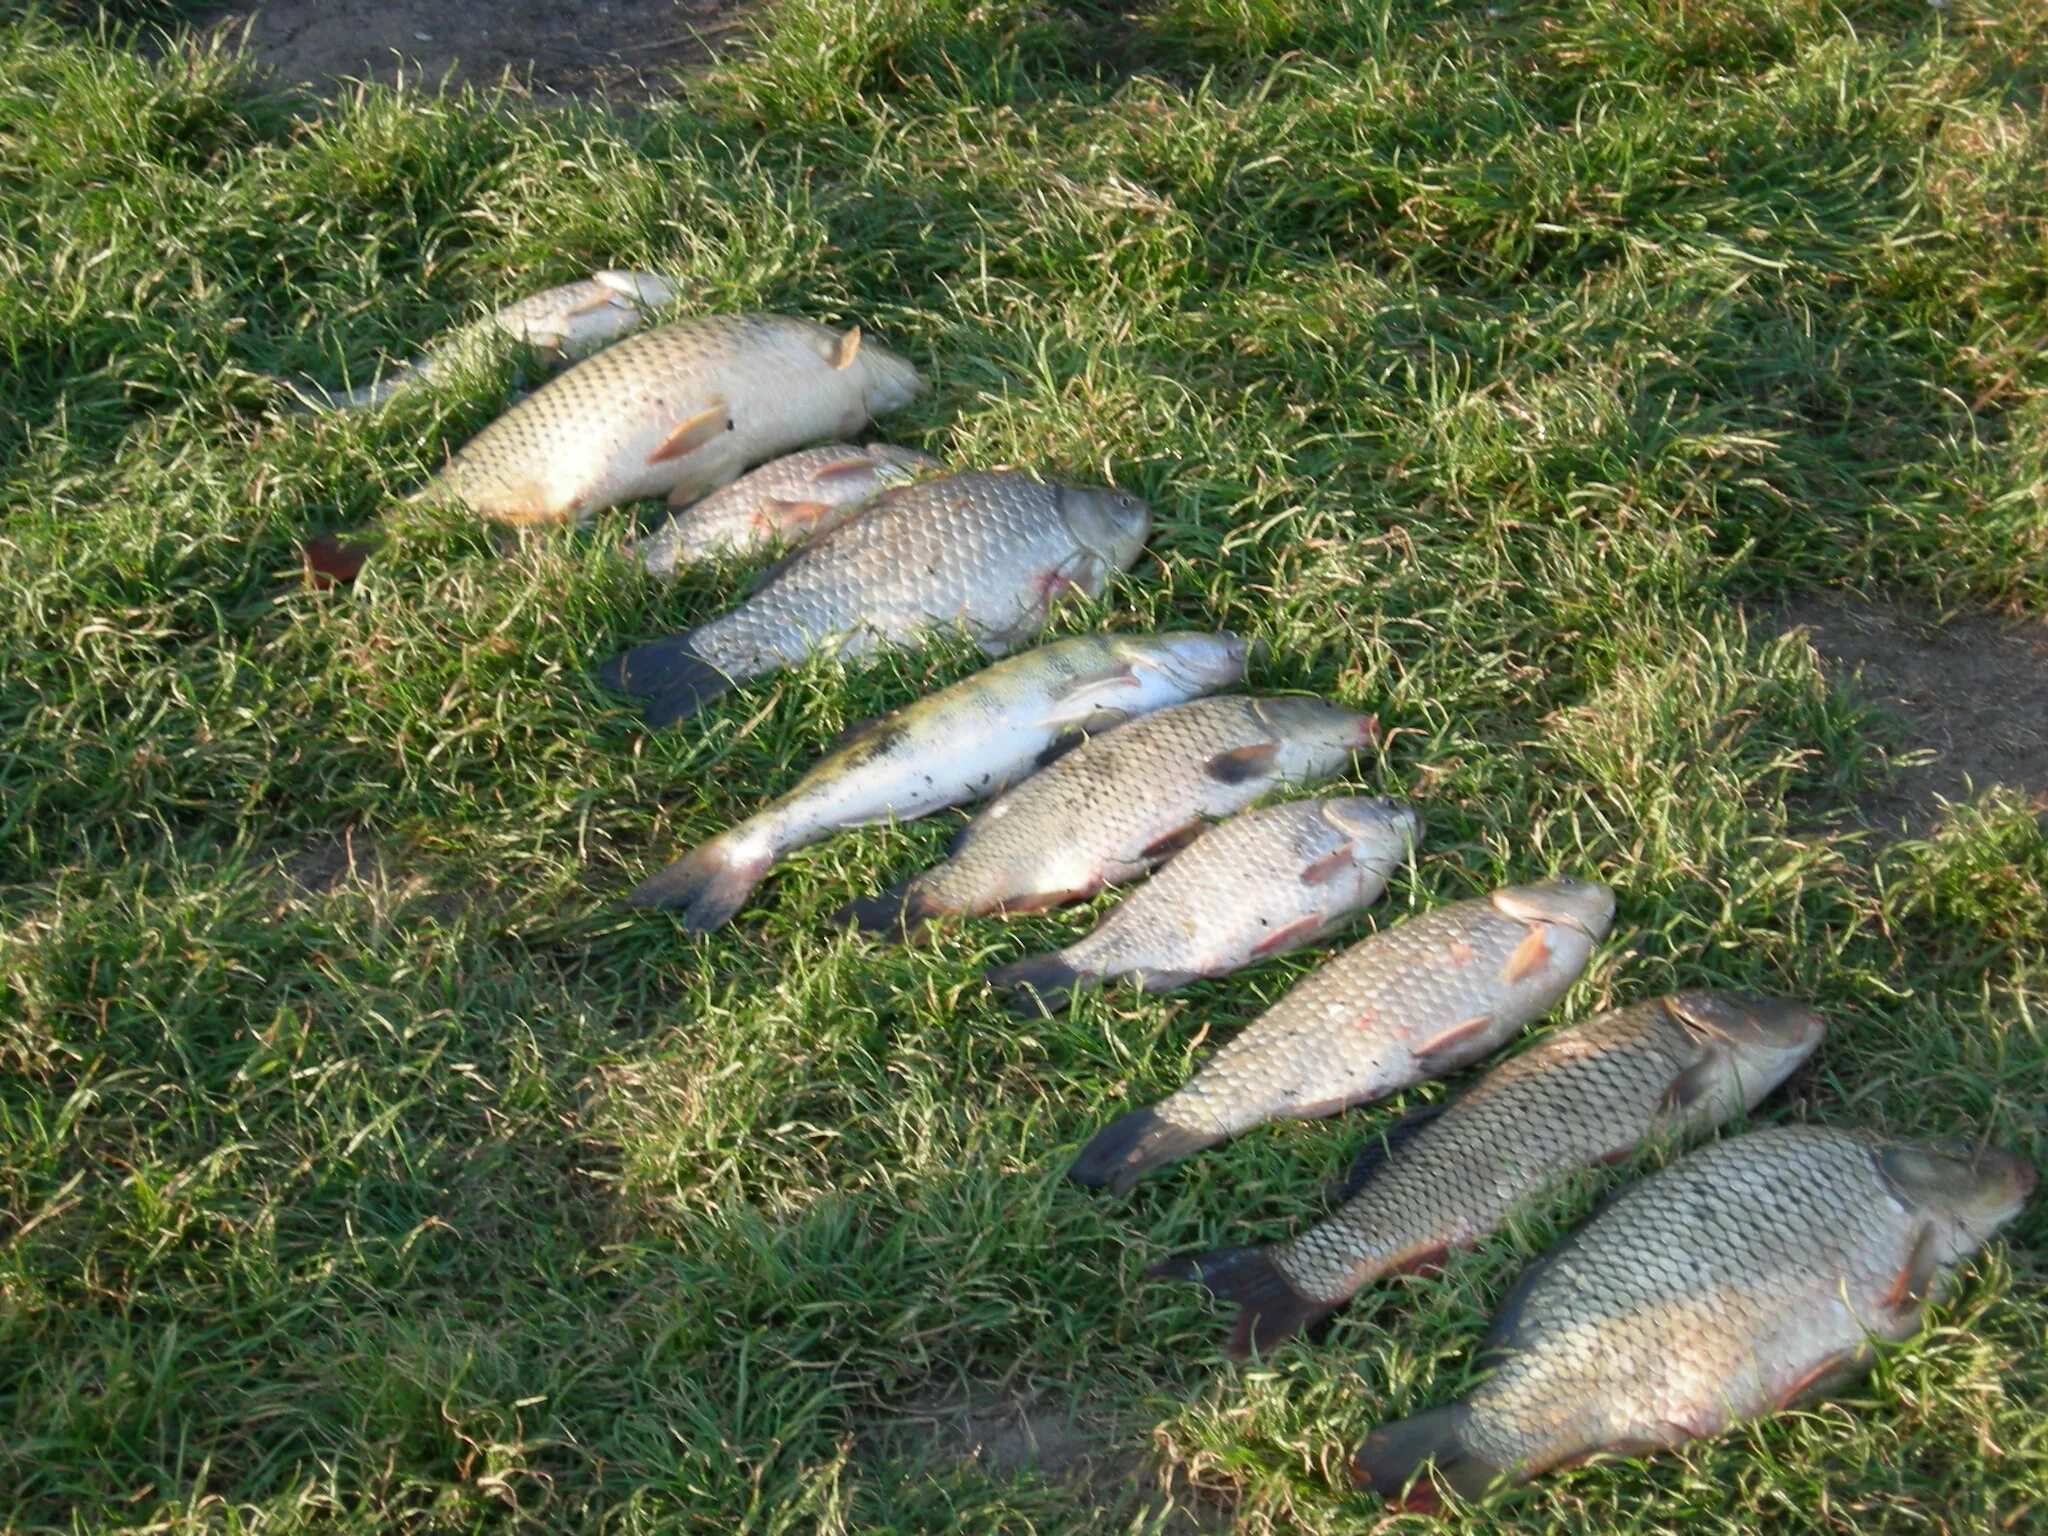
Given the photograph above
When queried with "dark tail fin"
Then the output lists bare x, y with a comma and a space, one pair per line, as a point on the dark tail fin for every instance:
1394, 1457
898, 913
333, 562
1271, 1311
710, 883
674, 680
1124, 1151
1043, 983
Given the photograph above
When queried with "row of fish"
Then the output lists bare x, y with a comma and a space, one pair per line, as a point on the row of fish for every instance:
1750, 1274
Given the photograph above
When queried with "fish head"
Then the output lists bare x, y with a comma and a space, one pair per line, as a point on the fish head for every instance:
1375, 826
1110, 525
1317, 737
1586, 905
650, 290
1970, 1191
888, 382
1194, 664
1761, 1040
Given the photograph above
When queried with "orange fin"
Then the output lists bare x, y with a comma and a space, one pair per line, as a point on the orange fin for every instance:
1834, 1371
1916, 1275
1287, 936
1329, 866
1451, 1038
793, 514
1530, 956
848, 348
840, 469
693, 433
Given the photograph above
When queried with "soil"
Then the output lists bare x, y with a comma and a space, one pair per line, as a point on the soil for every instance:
617, 48
1970, 694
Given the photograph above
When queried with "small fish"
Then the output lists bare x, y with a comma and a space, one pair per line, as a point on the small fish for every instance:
563, 325
956, 745
1265, 882
1752, 1275
988, 554
1412, 1002
674, 412
1120, 803
790, 499
1587, 1094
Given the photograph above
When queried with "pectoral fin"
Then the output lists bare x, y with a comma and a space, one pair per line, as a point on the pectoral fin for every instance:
603, 299
1692, 1085
1242, 763
1450, 1039
693, 433
1086, 698
1530, 956
1287, 936
1916, 1276
1329, 866
847, 349
840, 469
785, 515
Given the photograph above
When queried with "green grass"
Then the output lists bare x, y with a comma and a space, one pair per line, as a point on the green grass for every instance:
1499, 369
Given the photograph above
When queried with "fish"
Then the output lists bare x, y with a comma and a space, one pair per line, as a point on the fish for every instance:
676, 412
783, 502
563, 325
1412, 1002
958, 744
984, 553
1262, 883
1120, 803
1590, 1093
1746, 1277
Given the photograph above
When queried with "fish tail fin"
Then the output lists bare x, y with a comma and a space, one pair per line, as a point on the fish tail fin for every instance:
1043, 983
709, 884
1395, 1457
333, 562
1127, 1149
669, 674
1270, 1309
898, 913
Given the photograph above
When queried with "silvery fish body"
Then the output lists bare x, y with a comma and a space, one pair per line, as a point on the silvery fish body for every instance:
957, 745
1412, 1002
676, 412
1749, 1276
1121, 802
983, 554
785, 501
563, 325
1264, 882
1585, 1094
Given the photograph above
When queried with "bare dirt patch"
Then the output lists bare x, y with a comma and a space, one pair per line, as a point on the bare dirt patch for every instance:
1970, 692
622, 48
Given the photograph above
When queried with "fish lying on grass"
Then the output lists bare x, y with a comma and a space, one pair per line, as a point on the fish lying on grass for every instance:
956, 745
986, 553
1412, 1002
1262, 883
789, 499
563, 325
674, 412
1587, 1094
1749, 1276
1120, 803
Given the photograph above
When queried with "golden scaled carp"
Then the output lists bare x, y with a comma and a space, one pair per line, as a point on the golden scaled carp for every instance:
1587, 1094
1264, 882
1120, 803
785, 501
676, 412
984, 554
957, 745
562, 325
1751, 1275
1412, 1002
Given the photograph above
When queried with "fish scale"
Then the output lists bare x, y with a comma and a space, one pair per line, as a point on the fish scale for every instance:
675, 411
984, 553
1584, 1094
1743, 1277
1411, 1002
1266, 881
1120, 802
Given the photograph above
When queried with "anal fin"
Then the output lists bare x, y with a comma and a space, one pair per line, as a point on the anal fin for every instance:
1172, 843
